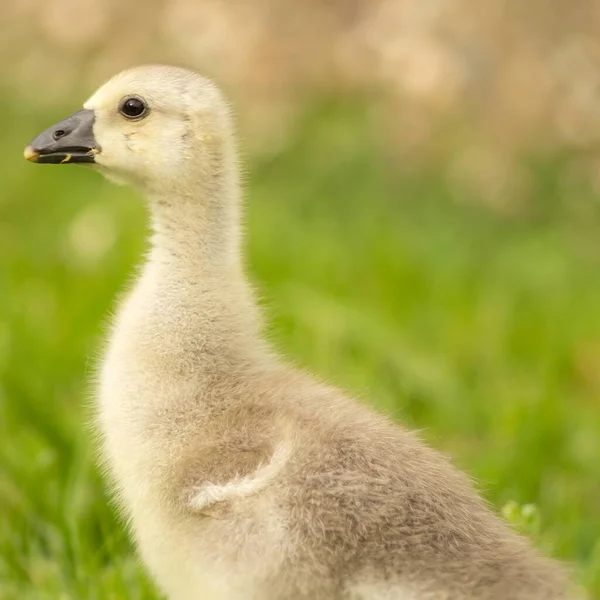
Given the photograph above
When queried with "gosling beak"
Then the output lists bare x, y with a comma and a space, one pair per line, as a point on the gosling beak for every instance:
70, 141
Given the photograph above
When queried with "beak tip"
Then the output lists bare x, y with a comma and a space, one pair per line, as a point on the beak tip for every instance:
30, 154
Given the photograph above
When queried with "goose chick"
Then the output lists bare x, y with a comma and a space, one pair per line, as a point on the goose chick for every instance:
242, 477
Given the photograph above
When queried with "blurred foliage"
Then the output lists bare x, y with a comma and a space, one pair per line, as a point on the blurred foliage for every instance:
479, 328
505, 76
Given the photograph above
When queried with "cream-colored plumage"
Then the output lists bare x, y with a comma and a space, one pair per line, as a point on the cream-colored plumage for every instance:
243, 478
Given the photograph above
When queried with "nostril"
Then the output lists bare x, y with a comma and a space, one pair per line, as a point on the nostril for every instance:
59, 133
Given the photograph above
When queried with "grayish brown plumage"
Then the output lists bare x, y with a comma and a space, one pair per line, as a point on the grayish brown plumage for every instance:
243, 478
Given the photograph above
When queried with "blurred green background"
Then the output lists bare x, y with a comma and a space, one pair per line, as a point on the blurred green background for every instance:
461, 297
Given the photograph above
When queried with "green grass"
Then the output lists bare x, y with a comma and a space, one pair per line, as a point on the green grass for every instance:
481, 331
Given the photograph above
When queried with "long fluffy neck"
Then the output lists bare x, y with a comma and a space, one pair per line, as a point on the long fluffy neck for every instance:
196, 218
195, 305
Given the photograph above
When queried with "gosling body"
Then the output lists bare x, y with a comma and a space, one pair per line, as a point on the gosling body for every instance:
241, 477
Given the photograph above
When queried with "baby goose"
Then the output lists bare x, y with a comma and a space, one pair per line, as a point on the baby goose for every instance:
243, 478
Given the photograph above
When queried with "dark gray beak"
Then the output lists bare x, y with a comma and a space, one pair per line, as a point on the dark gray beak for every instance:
70, 141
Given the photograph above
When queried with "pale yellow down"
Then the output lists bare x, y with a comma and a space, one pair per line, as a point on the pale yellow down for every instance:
242, 477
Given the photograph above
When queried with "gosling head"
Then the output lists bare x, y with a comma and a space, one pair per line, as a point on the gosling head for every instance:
151, 126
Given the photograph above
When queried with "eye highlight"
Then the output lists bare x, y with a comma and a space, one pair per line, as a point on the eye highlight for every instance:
133, 107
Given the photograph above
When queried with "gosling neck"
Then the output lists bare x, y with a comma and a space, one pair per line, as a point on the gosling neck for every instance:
196, 296
196, 224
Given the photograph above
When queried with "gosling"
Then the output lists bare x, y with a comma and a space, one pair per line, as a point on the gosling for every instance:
241, 477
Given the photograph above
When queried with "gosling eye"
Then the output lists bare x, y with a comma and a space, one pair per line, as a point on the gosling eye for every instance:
132, 108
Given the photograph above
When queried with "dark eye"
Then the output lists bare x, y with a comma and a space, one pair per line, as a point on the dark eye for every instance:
133, 108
